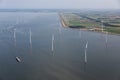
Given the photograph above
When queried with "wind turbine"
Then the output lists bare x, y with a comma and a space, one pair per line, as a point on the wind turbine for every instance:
80, 33
102, 25
14, 35
60, 29
52, 47
106, 39
17, 58
30, 36
86, 52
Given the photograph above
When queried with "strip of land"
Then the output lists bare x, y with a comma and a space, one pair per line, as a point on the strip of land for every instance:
62, 21
91, 22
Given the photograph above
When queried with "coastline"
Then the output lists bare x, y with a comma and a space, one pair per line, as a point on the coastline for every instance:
86, 29
66, 26
62, 22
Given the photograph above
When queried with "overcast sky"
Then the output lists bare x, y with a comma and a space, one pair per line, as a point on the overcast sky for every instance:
60, 4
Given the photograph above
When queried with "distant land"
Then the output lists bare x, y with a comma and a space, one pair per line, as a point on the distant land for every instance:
40, 10
57, 10
90, 19
102, 21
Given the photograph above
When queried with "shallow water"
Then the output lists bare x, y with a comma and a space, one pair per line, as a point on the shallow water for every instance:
66, 62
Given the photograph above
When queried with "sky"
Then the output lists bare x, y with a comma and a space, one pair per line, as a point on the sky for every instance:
60, 4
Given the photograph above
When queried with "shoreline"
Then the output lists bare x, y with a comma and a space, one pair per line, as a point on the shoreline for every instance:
66, 26
62, 22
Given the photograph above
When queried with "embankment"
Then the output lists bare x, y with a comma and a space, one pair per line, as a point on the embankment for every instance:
62, 21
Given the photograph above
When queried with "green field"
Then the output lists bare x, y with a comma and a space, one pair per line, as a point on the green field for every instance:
113, 30
112, 24
79, 21
85, 24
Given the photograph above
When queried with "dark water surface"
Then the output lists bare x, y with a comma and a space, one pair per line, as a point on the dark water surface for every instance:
66, 62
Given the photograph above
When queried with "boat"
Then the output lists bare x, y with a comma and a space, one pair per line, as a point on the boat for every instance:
18, 59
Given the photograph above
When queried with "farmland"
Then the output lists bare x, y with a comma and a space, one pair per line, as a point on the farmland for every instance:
109, 22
